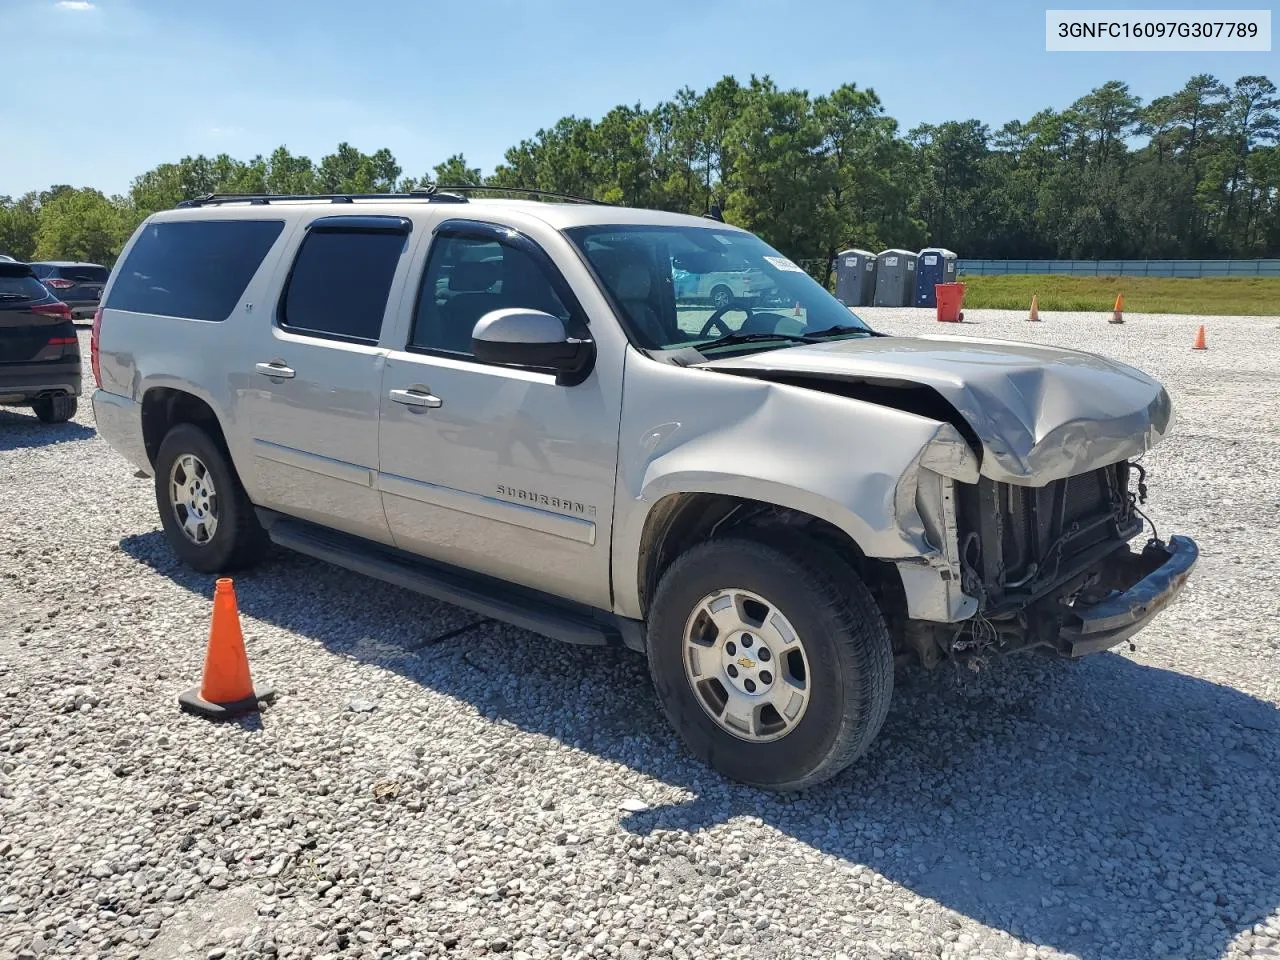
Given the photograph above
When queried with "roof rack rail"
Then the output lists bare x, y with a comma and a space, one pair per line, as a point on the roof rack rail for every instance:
213, 199
521, 191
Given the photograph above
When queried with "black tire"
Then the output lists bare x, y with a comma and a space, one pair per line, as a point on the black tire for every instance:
721, 295
238, 539
845, 639
57, 409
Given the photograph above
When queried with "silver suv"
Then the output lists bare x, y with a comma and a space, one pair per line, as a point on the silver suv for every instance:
510, 405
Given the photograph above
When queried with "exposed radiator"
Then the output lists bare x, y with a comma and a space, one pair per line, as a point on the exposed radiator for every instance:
1012, 535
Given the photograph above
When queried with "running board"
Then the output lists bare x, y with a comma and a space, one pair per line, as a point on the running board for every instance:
483, 595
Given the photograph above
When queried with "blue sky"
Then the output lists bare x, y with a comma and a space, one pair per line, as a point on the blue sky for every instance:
117, 86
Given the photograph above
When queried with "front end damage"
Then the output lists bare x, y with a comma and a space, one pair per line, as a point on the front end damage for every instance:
1062, 568
1054, 567
1026, 506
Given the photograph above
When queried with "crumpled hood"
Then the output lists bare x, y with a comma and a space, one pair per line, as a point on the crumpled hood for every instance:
1041, 413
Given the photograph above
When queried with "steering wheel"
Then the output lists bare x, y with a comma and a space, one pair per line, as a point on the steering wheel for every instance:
715, 319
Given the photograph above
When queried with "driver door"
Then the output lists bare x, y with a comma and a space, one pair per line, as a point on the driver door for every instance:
497, 469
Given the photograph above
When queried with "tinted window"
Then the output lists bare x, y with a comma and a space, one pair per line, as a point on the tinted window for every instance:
192, 268
465, 279
340, 282
41, 270
85, 274
17, 283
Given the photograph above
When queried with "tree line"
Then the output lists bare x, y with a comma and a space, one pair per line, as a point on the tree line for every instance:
1193, 174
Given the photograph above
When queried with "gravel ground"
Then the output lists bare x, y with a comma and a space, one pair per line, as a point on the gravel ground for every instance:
494, 793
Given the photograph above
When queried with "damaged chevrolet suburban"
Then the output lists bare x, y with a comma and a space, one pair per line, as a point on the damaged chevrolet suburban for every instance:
510, 405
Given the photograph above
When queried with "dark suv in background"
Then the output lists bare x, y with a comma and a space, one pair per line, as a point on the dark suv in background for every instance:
39, 352
78, 285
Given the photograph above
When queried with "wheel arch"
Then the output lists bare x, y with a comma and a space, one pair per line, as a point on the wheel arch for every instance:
164, 407
681, 520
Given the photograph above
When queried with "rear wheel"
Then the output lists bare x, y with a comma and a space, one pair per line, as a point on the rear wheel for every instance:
770, 658
57, 409
204, 510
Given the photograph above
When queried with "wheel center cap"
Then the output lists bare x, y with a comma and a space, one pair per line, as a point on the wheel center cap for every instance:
743, 660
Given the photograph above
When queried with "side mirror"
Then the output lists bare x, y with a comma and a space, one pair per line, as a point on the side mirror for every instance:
531, 338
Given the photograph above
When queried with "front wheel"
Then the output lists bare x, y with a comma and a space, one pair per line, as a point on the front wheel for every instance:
204, 510
770, 658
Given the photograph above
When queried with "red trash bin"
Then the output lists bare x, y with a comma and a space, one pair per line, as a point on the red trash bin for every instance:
950, 302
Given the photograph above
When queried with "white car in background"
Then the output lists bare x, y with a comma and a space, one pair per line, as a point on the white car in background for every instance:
720, 280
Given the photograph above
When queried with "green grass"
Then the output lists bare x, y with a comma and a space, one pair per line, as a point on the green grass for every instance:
1205, 296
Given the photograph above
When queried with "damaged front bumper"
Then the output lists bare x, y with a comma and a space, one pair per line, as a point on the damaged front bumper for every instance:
1161, 571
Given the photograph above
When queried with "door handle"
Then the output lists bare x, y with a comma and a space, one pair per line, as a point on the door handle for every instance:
275, 369
414, 397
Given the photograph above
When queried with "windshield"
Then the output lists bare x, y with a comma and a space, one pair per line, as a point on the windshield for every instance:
713, 289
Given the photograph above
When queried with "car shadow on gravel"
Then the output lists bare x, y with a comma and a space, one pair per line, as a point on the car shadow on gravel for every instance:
1106, 808
20, 430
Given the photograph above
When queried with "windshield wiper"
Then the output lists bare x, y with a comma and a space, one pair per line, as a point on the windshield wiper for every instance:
838, 330
733, 339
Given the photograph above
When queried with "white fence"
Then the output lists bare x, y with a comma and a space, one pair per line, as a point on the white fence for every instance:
1124, 268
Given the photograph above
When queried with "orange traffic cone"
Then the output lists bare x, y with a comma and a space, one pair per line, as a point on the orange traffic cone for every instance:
1117, 315
1200, 344
226, 689
1035, 308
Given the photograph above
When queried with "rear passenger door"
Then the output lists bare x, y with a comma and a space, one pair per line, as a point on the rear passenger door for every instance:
312, 404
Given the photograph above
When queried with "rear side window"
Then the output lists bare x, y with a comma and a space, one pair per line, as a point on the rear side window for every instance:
84, 274
195, 269
340, 281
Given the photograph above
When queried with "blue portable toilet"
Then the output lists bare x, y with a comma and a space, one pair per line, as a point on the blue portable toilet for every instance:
933, 265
